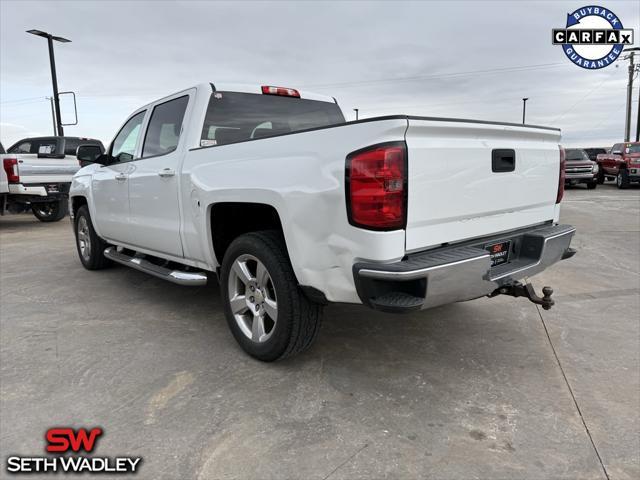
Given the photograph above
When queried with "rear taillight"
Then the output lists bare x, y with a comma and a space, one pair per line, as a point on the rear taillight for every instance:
10, 166
283, 91
376, 187
561, 176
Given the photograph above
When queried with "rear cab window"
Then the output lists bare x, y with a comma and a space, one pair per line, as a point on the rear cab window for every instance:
35, 146
237, 117
164, 127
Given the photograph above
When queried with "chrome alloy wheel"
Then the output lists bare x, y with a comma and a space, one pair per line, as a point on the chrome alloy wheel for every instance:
84, 239
252, 298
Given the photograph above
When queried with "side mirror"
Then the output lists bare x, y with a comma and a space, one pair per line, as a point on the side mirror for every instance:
90, 154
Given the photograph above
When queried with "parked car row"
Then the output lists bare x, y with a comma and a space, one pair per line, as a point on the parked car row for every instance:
36, 175
593, 166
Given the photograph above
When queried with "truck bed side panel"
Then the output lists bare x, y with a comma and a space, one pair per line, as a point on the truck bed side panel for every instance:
302, 176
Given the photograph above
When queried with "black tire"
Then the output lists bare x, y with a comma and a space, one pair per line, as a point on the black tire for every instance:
298, 318
51, 211
94, 259
600, 176
592, 185
622, 180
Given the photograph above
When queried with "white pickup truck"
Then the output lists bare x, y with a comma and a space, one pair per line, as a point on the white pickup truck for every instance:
36, 174
292, 207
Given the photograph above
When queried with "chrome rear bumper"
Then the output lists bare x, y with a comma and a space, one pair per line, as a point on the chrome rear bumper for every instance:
457, 273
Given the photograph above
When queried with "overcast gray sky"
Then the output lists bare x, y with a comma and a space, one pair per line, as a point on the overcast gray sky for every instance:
469, 59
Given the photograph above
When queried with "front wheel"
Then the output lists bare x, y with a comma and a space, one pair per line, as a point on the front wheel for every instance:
90, 246
592, 185
267, 312
50, 211
622, 180
601, 176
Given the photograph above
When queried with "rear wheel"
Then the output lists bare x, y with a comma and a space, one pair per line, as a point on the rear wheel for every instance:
267, 312
90, 246
622, 180
50, 211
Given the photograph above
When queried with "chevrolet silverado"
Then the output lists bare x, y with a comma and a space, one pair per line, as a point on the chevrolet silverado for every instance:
270, 190
622, 163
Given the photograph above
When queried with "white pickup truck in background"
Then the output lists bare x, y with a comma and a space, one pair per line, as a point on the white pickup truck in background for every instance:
292, 207
36, 174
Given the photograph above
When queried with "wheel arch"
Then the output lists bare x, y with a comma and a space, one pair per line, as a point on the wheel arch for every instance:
76, 202
229, 220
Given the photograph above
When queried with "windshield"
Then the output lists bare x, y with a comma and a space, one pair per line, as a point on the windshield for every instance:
576, 154
632, 148
236, 117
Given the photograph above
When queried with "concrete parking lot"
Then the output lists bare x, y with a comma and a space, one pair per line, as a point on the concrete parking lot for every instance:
493, 388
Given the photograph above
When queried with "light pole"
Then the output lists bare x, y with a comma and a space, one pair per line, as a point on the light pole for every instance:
56, 98
524, 108
356, 110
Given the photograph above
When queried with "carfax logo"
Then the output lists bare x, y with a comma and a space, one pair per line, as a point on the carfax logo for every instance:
593, 38
67, 440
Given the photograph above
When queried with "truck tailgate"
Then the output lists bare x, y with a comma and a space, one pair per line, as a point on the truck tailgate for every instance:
456, 189
46, 170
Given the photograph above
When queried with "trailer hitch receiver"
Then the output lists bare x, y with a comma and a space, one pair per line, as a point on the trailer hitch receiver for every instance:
518, 289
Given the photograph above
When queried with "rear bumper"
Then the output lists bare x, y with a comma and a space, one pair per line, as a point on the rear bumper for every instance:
20, 189
457, 273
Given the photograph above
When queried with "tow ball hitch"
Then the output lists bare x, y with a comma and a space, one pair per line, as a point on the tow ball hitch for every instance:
517, 289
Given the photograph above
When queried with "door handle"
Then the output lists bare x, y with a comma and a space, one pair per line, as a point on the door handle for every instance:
167, 172
121, 177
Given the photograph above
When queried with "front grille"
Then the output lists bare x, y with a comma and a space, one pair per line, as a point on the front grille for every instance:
578, 170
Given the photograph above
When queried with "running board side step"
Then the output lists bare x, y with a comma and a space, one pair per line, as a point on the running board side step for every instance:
190, 279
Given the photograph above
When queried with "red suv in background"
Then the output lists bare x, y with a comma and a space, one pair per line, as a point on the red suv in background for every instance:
622, 163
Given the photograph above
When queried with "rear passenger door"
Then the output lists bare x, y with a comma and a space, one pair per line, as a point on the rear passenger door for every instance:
154, 180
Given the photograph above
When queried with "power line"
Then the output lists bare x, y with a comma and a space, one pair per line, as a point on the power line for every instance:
23, 100
558, 118
441, 75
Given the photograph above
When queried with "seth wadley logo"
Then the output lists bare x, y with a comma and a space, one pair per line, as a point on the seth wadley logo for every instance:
593, 37
65, 440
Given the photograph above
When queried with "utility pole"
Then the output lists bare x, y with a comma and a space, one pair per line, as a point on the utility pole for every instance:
54, 79
53, 116
632, 69
638, 120
524, 108
356, 110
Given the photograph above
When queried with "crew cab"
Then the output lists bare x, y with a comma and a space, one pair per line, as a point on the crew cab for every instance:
290, 207
622, 163
580, 169
36, 174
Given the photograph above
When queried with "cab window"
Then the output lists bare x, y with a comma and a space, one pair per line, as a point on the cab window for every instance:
123, 148
164, 127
